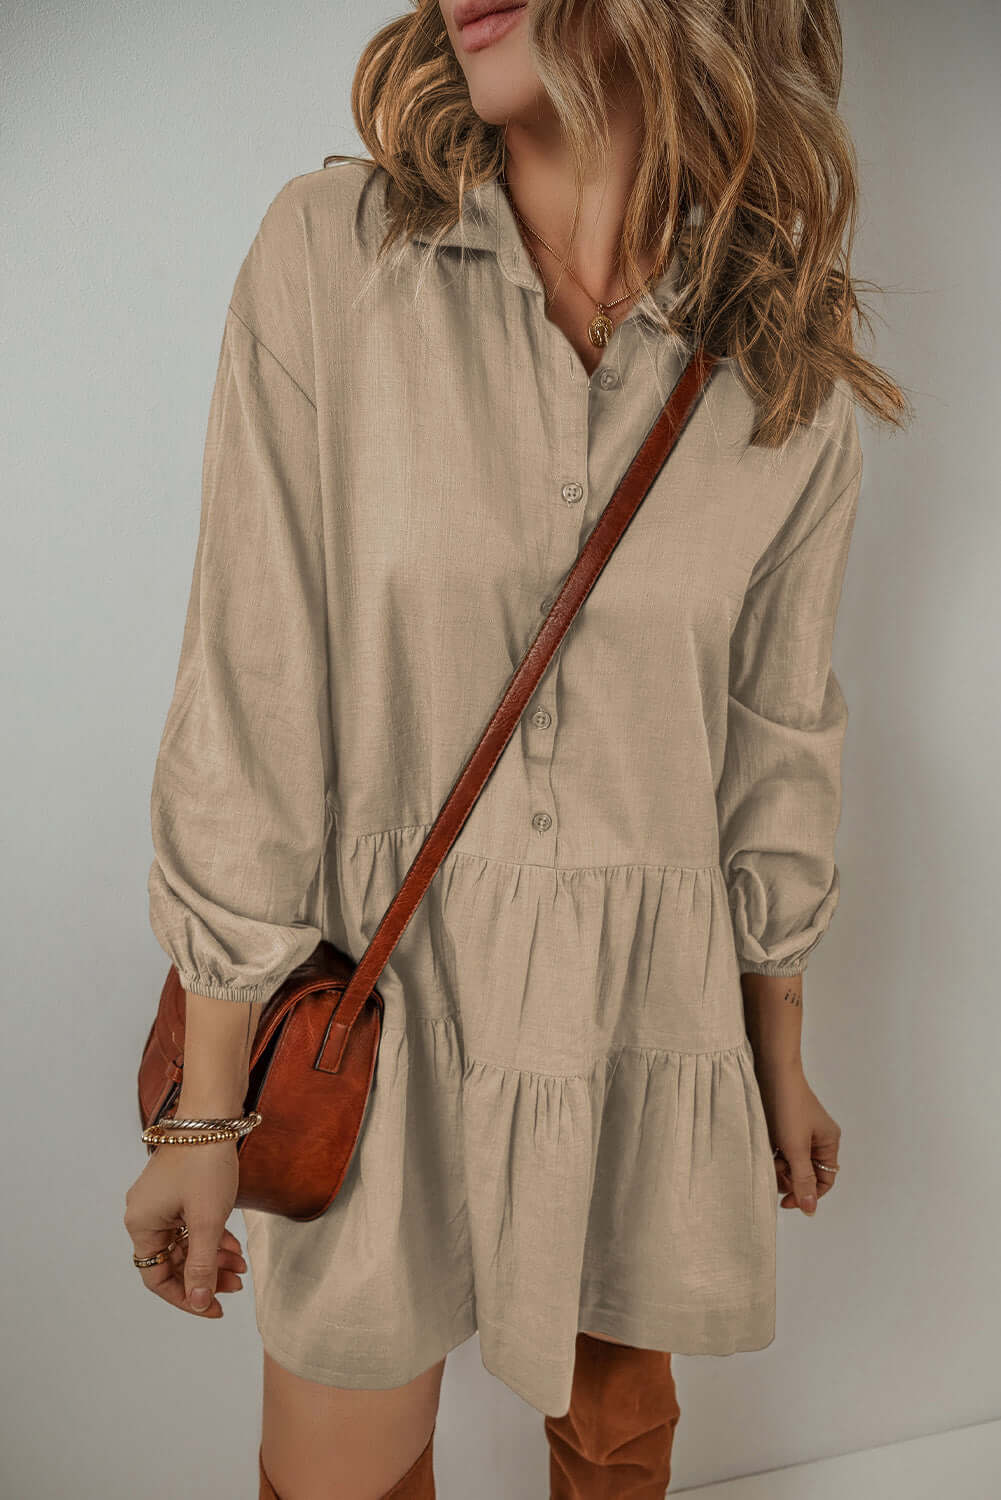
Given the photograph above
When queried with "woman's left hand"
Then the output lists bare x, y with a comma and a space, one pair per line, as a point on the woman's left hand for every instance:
800, 1129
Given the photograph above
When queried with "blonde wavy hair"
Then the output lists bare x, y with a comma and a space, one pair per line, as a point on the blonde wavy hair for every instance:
746, 168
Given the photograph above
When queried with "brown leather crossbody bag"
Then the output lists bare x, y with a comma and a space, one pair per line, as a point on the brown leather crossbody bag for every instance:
313, 1059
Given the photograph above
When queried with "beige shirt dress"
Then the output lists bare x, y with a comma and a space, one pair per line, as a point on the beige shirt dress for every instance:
565, 1131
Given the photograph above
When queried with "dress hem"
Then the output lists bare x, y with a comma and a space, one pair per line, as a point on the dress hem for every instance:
596, 1316
351, 1379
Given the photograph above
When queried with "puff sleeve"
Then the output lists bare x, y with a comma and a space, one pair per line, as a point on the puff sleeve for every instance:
238, 803
779, 795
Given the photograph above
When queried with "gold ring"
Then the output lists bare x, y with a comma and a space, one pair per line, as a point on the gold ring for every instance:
161, 1255
824, 1166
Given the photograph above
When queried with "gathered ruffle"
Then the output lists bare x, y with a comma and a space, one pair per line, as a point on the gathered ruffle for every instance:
565, 1132
586, 960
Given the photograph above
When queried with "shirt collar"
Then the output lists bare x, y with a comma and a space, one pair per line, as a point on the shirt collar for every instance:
488, 223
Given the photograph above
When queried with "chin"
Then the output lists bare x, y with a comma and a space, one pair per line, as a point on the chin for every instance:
497, 97
502, 81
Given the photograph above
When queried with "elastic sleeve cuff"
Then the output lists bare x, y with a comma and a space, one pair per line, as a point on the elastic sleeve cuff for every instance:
247, 993
774, 967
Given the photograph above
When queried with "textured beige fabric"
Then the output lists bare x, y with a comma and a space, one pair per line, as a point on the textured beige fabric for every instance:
565, 1130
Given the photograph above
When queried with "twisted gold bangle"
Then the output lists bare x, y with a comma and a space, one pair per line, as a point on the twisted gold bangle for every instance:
235, 1122
161, 1133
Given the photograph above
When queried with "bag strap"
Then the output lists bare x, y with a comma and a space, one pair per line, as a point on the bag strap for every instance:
629, 493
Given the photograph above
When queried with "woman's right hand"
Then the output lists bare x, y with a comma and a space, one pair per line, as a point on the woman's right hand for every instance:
195, 1185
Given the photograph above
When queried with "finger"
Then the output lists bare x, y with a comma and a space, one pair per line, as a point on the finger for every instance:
825, 1180
783, 1182
167, 1281
229, 1241
148, 1238
229, 1258
172, 1290
788, 1199
156, 1277
201, 1264
150, 1241
802, 1178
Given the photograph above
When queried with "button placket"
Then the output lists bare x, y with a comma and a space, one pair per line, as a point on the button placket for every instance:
574, 492
539, 725
538, 731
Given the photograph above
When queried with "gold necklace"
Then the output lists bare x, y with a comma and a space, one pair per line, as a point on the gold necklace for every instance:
600, 328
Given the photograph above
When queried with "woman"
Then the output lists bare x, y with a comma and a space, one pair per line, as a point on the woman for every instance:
589, 1081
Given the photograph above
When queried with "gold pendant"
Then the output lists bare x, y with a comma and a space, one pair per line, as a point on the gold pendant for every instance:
599, 330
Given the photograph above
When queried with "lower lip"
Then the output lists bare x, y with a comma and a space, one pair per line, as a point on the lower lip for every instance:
490, 28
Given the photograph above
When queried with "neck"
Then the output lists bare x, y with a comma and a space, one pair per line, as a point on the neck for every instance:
539, 174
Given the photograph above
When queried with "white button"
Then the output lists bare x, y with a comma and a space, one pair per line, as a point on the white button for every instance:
608, 379
542, 822
572, 493
542, 717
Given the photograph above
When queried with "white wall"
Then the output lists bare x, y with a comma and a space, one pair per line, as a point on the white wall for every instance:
141, 145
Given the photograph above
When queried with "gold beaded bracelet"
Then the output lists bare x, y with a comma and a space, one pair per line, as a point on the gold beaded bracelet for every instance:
161, 1133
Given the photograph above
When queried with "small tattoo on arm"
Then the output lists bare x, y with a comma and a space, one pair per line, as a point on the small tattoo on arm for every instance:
794, 997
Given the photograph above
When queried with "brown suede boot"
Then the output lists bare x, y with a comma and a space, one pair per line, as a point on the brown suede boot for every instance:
416, 1484
615, 1441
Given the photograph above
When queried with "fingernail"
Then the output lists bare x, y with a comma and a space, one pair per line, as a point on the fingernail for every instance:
201, 1297
809, 1204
